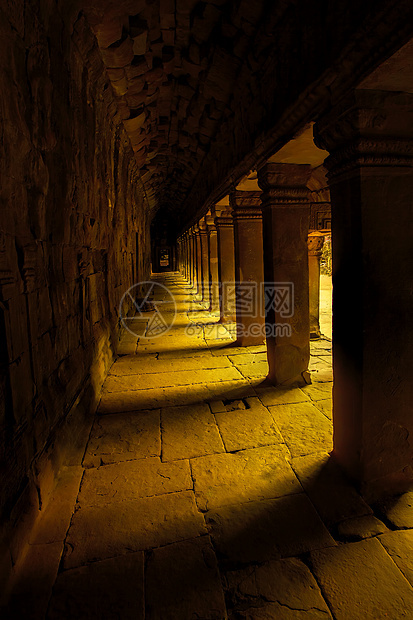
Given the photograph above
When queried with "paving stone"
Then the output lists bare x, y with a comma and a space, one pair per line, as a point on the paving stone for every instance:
133, 479
304, 428
248, 358
231, 390
252, 371
266, 530
326, 406
278, 396
360, 527
130, 365
318, 391
189, 431
398, 510
360, 580
328, 488
182, 581
161, 397
283, 589
170, 379
400, 547
248, 475
103, 590
101, 532
122, 437
231, 350
188, 353
248, 428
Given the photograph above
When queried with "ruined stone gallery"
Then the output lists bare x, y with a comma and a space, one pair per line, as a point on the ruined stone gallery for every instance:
205, 309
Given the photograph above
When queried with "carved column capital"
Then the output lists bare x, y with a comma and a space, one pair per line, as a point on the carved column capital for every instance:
245, 205
284, 184
367, 129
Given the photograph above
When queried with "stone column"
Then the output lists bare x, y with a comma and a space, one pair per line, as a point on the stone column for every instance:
213, 265
315, 244
249, 270
204, 261
226, 265
286, 216
370, 140
198, 262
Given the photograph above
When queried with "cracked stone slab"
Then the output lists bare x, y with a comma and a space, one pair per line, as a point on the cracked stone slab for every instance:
267, 530
103, 590
360, 580
304, 428
132, 365
231, 350
189, 431
248, 475
283, 589
319, 391
133, 479
247, 428
122, 437
164, 380
326, 407
182, 581
322, 375
279, 396
399, 545
332, 494
101, 532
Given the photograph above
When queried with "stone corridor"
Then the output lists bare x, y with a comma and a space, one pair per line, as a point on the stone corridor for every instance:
203, 494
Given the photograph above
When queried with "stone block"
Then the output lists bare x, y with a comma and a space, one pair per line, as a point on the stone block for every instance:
245, 476
267, 530
359, 580
101, 532
249, 427
182, 581
189, 431
123, 437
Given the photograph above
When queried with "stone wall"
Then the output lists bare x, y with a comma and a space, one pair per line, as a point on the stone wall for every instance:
73, 238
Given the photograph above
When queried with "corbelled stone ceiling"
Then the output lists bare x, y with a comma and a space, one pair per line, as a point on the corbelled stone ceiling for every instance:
172, 65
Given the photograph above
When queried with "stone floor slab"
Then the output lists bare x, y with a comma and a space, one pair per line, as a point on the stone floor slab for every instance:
122, 437
360, 580
305, 429
277, 396
328, 488
147, 381
182, 581
319, 391
266, 530
248, 475
101, 532
248, 428
132, 480
359, 528
130, 365
101, 591
161, 397
254, 370
399, 545
189, 431
283, 589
